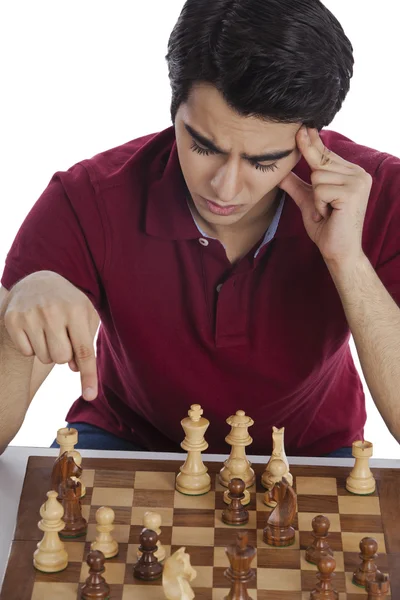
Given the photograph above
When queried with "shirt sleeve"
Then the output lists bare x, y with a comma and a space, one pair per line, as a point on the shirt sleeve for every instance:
388, 267
63, 232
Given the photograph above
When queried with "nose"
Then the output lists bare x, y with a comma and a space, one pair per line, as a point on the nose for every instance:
227, 182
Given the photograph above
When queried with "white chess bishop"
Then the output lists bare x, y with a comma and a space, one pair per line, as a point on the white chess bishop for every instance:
278, 453
105, 524
51, 555
177, 575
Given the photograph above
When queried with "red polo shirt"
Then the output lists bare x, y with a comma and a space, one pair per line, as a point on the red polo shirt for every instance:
272, 341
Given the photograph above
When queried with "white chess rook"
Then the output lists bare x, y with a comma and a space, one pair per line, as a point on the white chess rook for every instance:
361, 481
238, 438
193, 478
51, 555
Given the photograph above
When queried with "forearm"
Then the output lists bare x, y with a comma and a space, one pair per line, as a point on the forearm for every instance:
374, 320
15, 378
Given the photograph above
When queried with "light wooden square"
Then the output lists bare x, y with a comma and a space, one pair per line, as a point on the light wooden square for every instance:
120, 533
351, 541
251, 524
86, 511
193, 536
306, 596
207, 501
141, 592
112, 496
320, 486
221, 593
43, 590
75, 551
204, 577
306, 566
221, 559
260, 506
262, 544
150, 480
359, 505
88, 476
132, 558
305, 520
114, 573
166, 514
279, 579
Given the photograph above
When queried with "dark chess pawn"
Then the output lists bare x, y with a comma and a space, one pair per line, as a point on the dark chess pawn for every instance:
279, 531
320, 544
378, 588
148, 567
324, 589
367, 569
95, 587
236, 513
240, 556
75, 524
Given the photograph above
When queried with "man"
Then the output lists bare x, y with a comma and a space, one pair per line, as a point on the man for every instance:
228, 257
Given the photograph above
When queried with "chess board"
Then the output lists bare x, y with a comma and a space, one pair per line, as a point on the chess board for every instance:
131, 487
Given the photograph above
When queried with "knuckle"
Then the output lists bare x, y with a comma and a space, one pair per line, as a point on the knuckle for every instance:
83, 352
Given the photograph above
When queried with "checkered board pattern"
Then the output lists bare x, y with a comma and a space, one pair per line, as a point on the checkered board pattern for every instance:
131, 487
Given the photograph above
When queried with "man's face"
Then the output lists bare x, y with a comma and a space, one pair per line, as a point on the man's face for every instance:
240, 187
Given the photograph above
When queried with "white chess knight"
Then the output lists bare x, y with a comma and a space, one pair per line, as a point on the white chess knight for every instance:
51, 555
67, 438
177, 575
152, 520
278, 453
193, 478
104, 541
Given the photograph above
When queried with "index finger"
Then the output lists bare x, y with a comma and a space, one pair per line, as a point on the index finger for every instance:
85, 358
319, 156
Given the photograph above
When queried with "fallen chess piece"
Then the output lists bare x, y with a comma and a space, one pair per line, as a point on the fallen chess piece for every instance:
235, 513
240, 573
177, 575
367, 571
95, 587
152, 520
104, 541
378, 588
279, 530
324, 589
51, 555
361, 481
320, 544
147, 567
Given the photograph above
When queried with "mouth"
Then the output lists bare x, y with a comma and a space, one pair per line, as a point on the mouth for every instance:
217, 209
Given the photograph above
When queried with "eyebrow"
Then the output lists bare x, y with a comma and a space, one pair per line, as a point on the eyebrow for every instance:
276, 155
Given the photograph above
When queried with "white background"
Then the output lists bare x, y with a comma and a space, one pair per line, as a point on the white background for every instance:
78, 78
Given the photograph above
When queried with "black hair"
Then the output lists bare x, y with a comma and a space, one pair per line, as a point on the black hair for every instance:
286, 61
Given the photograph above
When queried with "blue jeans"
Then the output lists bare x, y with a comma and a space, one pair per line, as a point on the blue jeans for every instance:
94, 438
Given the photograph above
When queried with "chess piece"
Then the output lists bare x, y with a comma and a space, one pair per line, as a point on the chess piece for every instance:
238, 438
378, 588
361, 481
95, 587
64, 467
152, 520
278, 453
177, 575
70, 494
193, 478
104, 541
235, 513
367, 569
238, 467
147, 567
240, 556
276, 471
320, 544
279, 530
67, 438
51, 555
324, 589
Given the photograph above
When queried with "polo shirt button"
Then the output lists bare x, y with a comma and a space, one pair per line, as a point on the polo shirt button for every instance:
203, 242
219, 287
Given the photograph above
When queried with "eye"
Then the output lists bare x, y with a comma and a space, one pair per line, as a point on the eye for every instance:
207, 152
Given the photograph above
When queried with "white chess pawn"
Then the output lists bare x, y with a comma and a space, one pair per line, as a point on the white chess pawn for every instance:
152, 520
51, 555
193, 478
177, 575
361, 481
238, 467
277, 470
238, 438
67, 438
105, 524
278, 452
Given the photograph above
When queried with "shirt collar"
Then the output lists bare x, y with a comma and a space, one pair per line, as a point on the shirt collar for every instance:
168, 215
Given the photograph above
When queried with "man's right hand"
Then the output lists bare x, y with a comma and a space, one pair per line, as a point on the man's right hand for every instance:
48, 317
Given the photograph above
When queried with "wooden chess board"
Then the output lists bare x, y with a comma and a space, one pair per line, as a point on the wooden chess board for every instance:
131, 487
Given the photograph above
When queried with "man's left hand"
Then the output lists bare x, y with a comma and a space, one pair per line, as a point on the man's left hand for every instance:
334, 206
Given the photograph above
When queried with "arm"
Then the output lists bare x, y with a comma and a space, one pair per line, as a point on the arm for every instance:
374, 320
